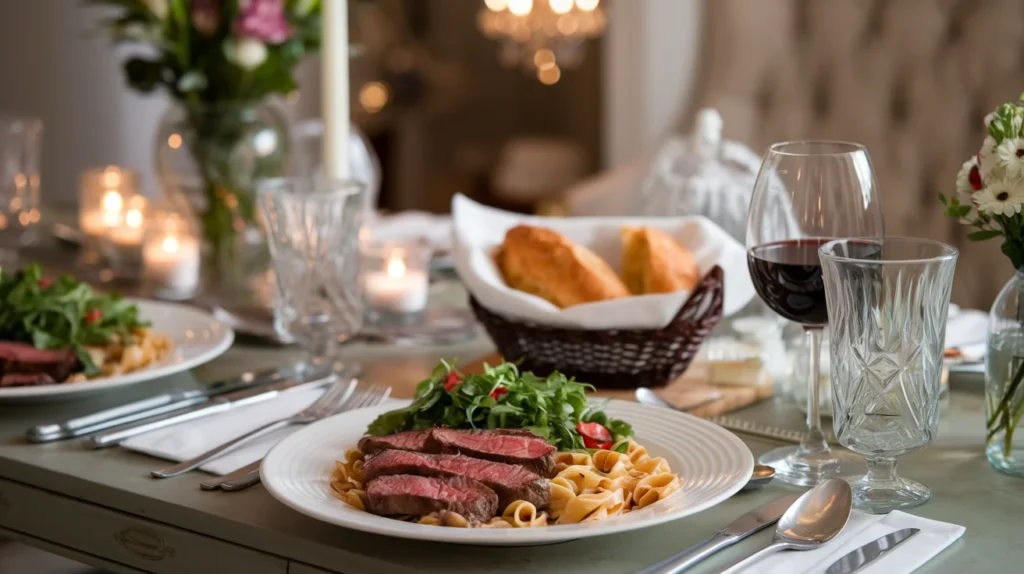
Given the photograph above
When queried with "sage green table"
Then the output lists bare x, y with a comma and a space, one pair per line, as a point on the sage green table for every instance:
100, 507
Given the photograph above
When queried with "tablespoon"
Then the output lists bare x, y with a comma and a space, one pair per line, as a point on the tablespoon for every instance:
814, 519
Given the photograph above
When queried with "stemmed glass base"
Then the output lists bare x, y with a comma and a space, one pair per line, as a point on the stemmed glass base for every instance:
796, 466
881, 491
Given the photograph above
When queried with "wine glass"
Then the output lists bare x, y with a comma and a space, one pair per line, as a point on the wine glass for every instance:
807, 193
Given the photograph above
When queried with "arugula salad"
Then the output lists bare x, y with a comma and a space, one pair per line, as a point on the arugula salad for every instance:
555, 408
63, 313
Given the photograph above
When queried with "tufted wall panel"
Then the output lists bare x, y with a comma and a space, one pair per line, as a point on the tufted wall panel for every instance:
911, 79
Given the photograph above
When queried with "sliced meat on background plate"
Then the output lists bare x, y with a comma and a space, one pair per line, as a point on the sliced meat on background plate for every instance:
25, 379
532, 452
509, 482
411, 440
421, 495
24, 359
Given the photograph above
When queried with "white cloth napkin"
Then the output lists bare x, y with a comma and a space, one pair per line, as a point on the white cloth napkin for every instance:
192, 438
861, 529
479, 230
966, 330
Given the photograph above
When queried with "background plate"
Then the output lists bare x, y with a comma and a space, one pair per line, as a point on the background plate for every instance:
197, 337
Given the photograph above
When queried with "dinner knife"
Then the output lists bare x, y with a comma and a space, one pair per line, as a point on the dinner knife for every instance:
751, 522
166, 403
215, 405
870, 552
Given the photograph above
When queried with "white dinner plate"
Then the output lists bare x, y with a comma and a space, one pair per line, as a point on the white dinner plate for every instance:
197, 338
712, 464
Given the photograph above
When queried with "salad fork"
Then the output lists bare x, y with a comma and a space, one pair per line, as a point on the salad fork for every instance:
333, 397
249, 474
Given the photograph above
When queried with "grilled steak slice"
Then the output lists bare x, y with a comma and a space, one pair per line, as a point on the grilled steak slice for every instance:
509, 482
532, 452
22, 358
25, 380
419, 495
411, 440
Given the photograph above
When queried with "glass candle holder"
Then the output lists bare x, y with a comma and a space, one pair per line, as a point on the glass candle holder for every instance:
105, 199
171, 255
395, 280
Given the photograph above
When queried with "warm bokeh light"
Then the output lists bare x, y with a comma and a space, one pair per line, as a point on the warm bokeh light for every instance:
112, 177
496, 5
174, 141
544, 59
560, 6
374, 96
520, 7
112, 201
133, 218
548, 76
587, 5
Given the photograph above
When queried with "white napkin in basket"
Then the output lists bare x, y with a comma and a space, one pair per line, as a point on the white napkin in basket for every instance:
479, 230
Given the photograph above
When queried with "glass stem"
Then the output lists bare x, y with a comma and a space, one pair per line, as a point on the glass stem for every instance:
323, 346
881, 471
814, 440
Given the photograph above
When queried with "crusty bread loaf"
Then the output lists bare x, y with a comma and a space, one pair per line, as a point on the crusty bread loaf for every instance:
545, 263
654, 262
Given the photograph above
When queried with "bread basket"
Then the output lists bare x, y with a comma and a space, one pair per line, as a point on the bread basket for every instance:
612, 358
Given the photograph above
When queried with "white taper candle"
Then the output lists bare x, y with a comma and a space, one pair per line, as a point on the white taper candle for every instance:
334, 75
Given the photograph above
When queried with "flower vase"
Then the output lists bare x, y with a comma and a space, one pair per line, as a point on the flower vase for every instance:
1004, 379
215, 155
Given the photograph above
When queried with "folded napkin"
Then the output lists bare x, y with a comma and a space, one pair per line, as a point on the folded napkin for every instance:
192, 438
479, 230
966, 330
861, 529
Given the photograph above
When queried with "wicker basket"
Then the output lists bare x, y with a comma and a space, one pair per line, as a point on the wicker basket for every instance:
612, 358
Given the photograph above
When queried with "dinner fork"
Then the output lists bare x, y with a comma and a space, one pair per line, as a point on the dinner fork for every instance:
249, 474
334, 396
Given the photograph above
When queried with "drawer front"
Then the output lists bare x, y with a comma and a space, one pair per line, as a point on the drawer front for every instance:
148, 546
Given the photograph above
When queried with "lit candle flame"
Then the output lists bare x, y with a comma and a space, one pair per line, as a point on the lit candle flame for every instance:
133, 218
170, 244
395, 267
112, 201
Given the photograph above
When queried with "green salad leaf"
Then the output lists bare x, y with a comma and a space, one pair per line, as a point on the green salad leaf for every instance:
501, 397
62, 313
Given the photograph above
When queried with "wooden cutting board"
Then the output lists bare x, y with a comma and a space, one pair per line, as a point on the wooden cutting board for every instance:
706, 389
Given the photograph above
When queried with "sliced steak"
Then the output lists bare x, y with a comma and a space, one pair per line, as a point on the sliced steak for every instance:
22, 358
509, 482
532, 452
419, 495
25, 380
411, 440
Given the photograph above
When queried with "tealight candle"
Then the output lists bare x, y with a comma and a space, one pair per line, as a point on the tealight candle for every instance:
401, 286
171, 258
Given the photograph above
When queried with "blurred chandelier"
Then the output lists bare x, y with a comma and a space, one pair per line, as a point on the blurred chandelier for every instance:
541, 36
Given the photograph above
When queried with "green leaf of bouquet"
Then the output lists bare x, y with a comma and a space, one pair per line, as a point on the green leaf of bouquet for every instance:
984, 235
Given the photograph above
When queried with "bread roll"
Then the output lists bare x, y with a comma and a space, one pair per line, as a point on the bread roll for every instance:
545, 263
654, 262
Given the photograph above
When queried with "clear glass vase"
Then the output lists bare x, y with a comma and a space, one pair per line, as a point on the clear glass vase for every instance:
215, 155
1004, 379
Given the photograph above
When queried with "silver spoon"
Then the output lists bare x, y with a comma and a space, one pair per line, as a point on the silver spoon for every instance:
762, 474
814, 519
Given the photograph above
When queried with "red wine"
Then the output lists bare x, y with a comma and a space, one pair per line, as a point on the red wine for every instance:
787, 276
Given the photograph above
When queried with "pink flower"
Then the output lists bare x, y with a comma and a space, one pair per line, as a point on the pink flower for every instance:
263, 20
206, 16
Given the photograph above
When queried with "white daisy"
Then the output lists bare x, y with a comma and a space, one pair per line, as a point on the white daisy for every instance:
999, 199
1010, 154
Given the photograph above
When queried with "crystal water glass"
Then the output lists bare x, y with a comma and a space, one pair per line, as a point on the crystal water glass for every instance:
20, 150
888, 301
313, 232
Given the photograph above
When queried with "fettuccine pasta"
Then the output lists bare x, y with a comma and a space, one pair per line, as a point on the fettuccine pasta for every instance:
587, 487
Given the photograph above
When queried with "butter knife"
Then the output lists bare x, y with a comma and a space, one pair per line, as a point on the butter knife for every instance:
870, 552
742, 527
165, 403
215, 405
